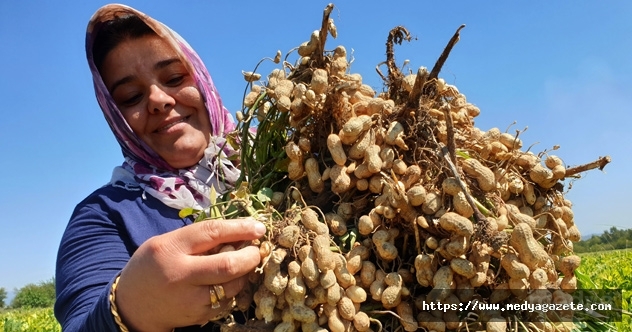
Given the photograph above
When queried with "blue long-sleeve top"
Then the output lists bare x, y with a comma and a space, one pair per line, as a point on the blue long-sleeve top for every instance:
103, 232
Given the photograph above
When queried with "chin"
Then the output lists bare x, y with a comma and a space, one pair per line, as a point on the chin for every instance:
181, 164
188, 162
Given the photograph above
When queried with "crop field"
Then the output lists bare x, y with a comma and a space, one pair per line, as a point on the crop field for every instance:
609, 270
599, 270
28, 320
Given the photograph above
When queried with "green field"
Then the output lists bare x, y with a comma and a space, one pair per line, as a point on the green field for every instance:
599, 270
609, 270
29, 320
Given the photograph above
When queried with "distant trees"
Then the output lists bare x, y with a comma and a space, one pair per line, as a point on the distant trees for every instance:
3, 297
611, 239
40, 295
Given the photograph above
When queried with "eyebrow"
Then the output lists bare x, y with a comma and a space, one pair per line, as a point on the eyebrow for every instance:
165, 63
159, 65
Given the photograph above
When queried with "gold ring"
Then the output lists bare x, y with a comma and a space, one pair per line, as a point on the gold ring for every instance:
214, 298
219, 290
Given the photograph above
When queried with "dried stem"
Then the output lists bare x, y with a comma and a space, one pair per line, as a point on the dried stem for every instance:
477, 213
599, 163
323, 35
446, 52
450, 132
415, 93
417, 237
396, 36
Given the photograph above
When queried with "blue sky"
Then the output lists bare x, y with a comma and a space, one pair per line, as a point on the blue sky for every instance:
562, 68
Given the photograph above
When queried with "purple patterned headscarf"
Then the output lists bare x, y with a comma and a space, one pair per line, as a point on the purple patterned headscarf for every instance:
177, 188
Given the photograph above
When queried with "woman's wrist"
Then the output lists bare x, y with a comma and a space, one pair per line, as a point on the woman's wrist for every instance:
124, 322
114, 308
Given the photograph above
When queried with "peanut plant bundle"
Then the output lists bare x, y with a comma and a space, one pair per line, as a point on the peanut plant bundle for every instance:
378, 204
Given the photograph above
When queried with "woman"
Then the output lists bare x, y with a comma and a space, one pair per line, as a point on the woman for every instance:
126, 259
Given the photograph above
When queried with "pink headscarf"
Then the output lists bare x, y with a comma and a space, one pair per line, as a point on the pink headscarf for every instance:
177, 188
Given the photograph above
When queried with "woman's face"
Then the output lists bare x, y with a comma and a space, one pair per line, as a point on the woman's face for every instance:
158, 98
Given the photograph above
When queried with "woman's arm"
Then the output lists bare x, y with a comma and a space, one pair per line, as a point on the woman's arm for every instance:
166, 283
165, 271
91, 254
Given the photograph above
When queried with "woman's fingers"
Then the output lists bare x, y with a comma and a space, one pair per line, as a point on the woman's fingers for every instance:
224, 266
230, 288
167, 279
196, 240
203, 236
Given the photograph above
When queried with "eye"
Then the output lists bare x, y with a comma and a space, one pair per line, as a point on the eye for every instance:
131, 101
175, 80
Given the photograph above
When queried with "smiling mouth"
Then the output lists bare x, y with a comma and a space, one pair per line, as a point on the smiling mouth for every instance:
186, 118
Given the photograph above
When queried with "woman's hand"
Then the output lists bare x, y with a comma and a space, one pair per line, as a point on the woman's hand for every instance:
166, 283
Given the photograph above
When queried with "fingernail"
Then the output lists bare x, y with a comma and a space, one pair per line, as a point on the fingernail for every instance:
260, 229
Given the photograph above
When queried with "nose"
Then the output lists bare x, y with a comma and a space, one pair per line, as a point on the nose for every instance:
159, 100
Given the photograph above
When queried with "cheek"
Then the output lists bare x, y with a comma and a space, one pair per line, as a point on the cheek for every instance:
134, 120
191, 96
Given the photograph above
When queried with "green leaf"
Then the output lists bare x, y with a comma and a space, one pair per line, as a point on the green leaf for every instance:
242, 191
463, 154
213, 197
200, 216
232, 141
186, 212
215, 213
264, 194
585, 281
